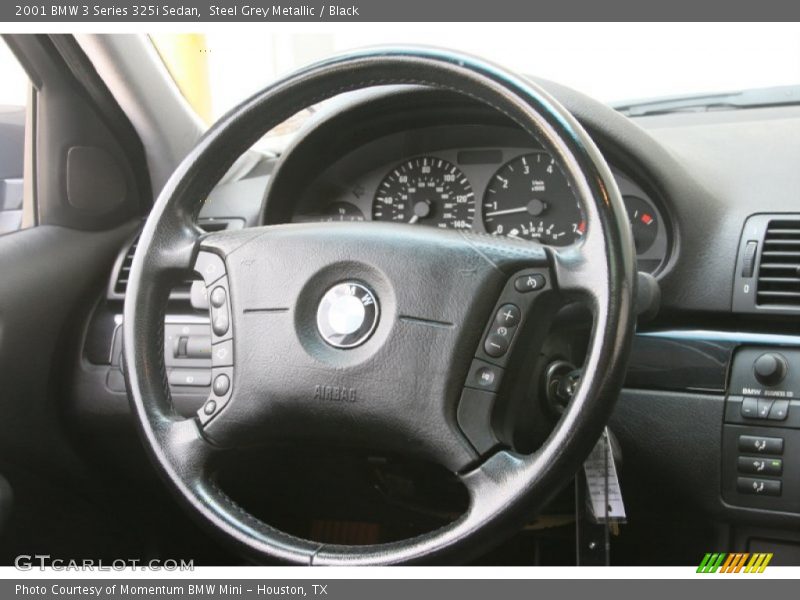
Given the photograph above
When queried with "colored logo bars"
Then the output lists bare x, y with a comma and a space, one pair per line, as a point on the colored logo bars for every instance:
734, 562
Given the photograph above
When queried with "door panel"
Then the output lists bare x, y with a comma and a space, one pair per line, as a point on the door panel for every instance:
49, 277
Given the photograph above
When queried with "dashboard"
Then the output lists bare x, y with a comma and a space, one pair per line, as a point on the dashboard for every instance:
483, 178
696, 204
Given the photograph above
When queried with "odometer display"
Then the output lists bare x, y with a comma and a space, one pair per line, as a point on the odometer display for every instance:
426, 191
529, 197
342, 211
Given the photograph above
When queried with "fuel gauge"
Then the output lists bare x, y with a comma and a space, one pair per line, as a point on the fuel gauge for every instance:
644, 223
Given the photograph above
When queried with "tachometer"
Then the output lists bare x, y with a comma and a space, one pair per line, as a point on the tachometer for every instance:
529, 197
425, 190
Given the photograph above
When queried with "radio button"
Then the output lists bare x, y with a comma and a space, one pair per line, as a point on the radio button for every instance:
779, 410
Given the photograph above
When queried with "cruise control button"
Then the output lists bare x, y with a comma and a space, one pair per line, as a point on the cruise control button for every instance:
495, 345
221, 385
190, 377
210, 266
507, 316
764, 405
750, 408
210, 407
218, 297
529, 283
779, 410
502, 331
758, 487
760, 445
757, 465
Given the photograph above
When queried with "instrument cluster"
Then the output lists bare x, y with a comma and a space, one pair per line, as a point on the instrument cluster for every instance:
519, 192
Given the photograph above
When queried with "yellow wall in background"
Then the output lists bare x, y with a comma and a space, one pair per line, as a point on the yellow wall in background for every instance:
186, 58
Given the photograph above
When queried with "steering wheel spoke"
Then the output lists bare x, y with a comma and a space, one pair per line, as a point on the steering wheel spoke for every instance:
185, 447
295, 368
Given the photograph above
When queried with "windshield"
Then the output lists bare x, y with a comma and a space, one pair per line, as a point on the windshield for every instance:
613, 63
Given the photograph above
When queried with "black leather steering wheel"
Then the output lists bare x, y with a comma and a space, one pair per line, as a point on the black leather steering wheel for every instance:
373, 334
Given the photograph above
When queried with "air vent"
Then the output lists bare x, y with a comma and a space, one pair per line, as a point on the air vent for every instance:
124, 270
778, 282
766, 279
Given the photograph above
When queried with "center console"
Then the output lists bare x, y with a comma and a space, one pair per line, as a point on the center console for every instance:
761, 433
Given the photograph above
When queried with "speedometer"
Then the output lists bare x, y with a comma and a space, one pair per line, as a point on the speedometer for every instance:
529, 197
425, 190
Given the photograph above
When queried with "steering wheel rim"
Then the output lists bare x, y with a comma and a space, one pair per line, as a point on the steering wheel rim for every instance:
504, 487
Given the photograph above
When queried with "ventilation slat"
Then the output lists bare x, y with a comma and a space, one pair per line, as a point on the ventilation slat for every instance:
181, 291
121, 283
779, 294
782, 243
779, 269
784, 233
779, 279
780, 254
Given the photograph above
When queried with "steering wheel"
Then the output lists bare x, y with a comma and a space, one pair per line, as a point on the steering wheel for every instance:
386, 336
